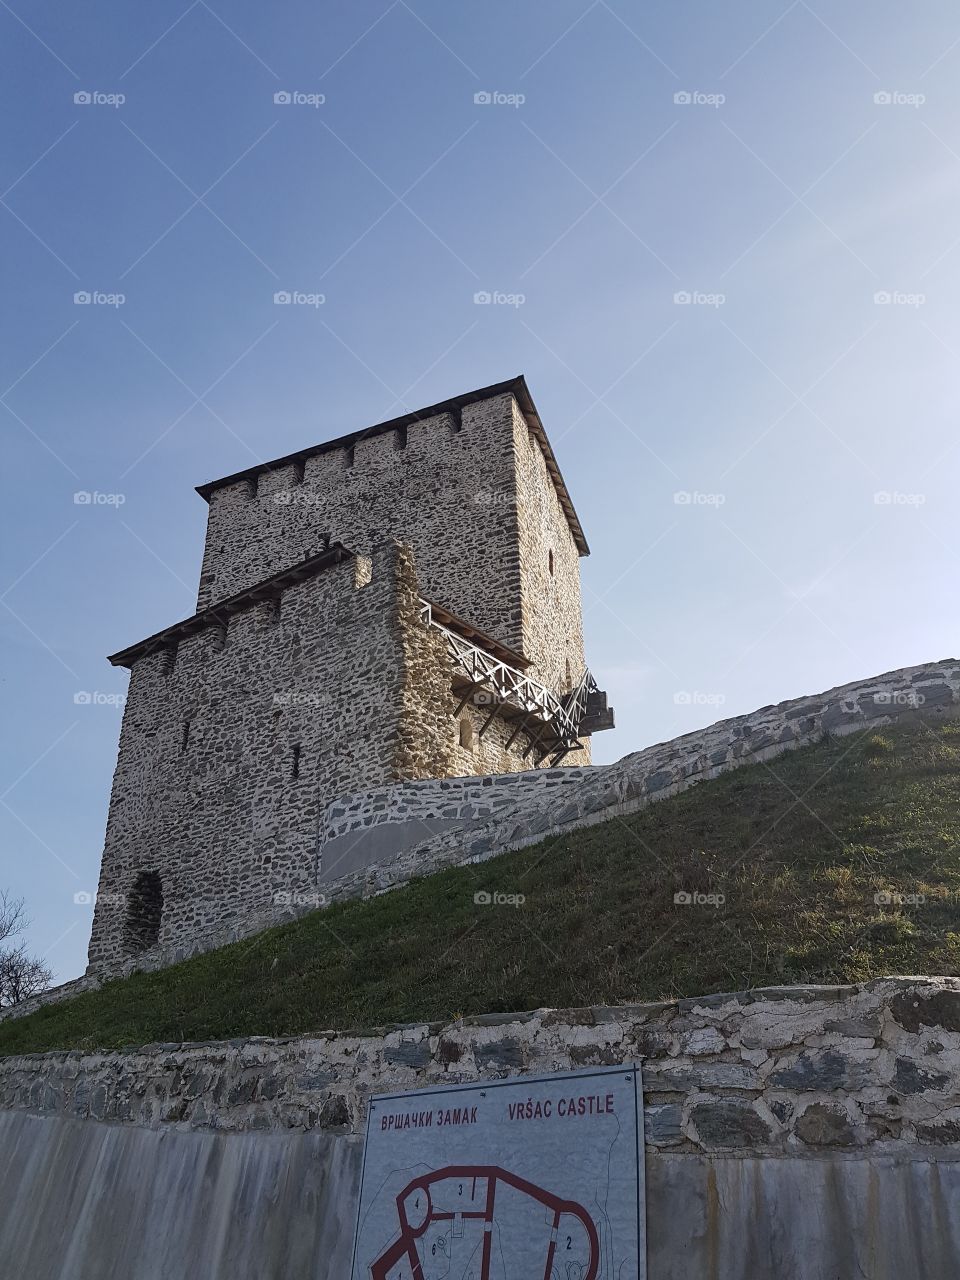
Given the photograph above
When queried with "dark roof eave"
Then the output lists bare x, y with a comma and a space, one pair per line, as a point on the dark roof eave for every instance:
517, 386
217, 614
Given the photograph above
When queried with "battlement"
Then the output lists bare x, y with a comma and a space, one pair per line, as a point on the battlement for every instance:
471, 485
397, 435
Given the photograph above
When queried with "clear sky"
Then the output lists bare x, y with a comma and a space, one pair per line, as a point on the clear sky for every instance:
792, 169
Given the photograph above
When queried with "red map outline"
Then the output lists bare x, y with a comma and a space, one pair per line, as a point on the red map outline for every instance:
405, 1244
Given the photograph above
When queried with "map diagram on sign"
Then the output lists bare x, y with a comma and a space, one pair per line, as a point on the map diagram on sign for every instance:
513, 1180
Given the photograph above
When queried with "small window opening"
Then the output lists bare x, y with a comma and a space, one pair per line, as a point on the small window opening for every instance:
349, 456
295, 762
550, 563
169, 659
468, 735
253, 485
569, 675
272, 610
299, 468
141, 929
456, 419
185, 739
401, 437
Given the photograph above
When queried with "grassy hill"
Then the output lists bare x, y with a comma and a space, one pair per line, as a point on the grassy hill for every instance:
798, 850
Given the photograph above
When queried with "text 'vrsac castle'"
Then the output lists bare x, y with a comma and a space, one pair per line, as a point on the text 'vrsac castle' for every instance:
401, 603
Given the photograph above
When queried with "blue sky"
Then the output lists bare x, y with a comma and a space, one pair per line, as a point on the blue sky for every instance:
765, 471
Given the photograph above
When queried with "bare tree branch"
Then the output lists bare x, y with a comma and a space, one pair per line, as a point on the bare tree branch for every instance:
21, 975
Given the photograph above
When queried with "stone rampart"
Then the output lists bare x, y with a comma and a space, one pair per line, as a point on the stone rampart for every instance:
771, 1071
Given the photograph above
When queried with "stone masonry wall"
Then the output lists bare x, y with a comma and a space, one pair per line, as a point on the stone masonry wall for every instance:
870, 1069
549, 574
229, 758
463, 799
428, 494
476, 504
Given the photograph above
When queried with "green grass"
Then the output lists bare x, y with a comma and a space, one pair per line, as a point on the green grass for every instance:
798, 849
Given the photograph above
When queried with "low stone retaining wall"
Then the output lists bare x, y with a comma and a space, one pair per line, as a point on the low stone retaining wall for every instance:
800, 1132
777, 1070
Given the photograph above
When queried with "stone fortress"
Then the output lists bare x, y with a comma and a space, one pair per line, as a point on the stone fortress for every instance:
402, 603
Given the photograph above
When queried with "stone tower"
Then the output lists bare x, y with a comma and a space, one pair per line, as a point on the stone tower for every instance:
399, 603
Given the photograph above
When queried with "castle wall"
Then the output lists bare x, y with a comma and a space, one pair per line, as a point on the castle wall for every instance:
552, 615
804, 1132
228, 759
230, 756
433, 494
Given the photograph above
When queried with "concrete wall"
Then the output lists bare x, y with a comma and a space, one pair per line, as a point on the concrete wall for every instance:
809, 1133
